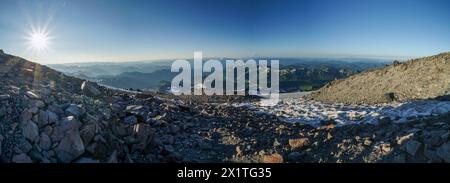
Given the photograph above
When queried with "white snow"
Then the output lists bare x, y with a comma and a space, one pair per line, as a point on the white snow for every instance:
297, 109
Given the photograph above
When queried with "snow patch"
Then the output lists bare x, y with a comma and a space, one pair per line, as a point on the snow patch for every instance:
301, 110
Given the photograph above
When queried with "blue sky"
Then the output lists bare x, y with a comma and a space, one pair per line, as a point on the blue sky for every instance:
122, 30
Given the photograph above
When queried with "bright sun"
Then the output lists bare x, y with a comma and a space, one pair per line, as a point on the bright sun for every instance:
38, 40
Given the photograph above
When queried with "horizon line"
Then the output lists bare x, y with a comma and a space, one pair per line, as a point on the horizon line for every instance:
256, 56
401, 58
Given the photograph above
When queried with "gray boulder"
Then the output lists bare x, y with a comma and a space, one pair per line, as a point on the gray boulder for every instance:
74, 110
90, 89
21, 158
70, 147
87, 133
68, 124
30, 130
52, 117
444, 152
412, 147
43, 118
144, 134
45, 142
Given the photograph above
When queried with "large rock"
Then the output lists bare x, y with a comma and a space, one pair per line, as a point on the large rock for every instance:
30, 130
444, 152
298, 143
70, 147
45, 142
74, 110
273, 158
90, 89
52, 117
24, 146
21, 158
36, 156
43, 118
412, 147
68, 124
87, 133
144, 135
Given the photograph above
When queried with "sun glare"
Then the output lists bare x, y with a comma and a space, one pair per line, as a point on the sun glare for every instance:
38, 40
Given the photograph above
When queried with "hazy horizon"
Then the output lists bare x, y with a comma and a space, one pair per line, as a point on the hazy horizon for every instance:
60, 31
337, 58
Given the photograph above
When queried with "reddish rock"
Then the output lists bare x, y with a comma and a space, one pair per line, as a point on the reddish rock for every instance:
273, 158
298, 143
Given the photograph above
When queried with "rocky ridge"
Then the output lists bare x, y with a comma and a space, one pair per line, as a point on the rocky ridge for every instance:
417, 79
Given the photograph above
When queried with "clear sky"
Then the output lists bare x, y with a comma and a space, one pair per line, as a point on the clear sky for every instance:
122, 30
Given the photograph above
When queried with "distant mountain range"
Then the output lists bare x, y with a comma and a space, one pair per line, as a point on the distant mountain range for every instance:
95, 69
297, 74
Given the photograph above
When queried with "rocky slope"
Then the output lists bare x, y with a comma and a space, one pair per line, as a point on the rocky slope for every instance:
423, 78
48, 117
